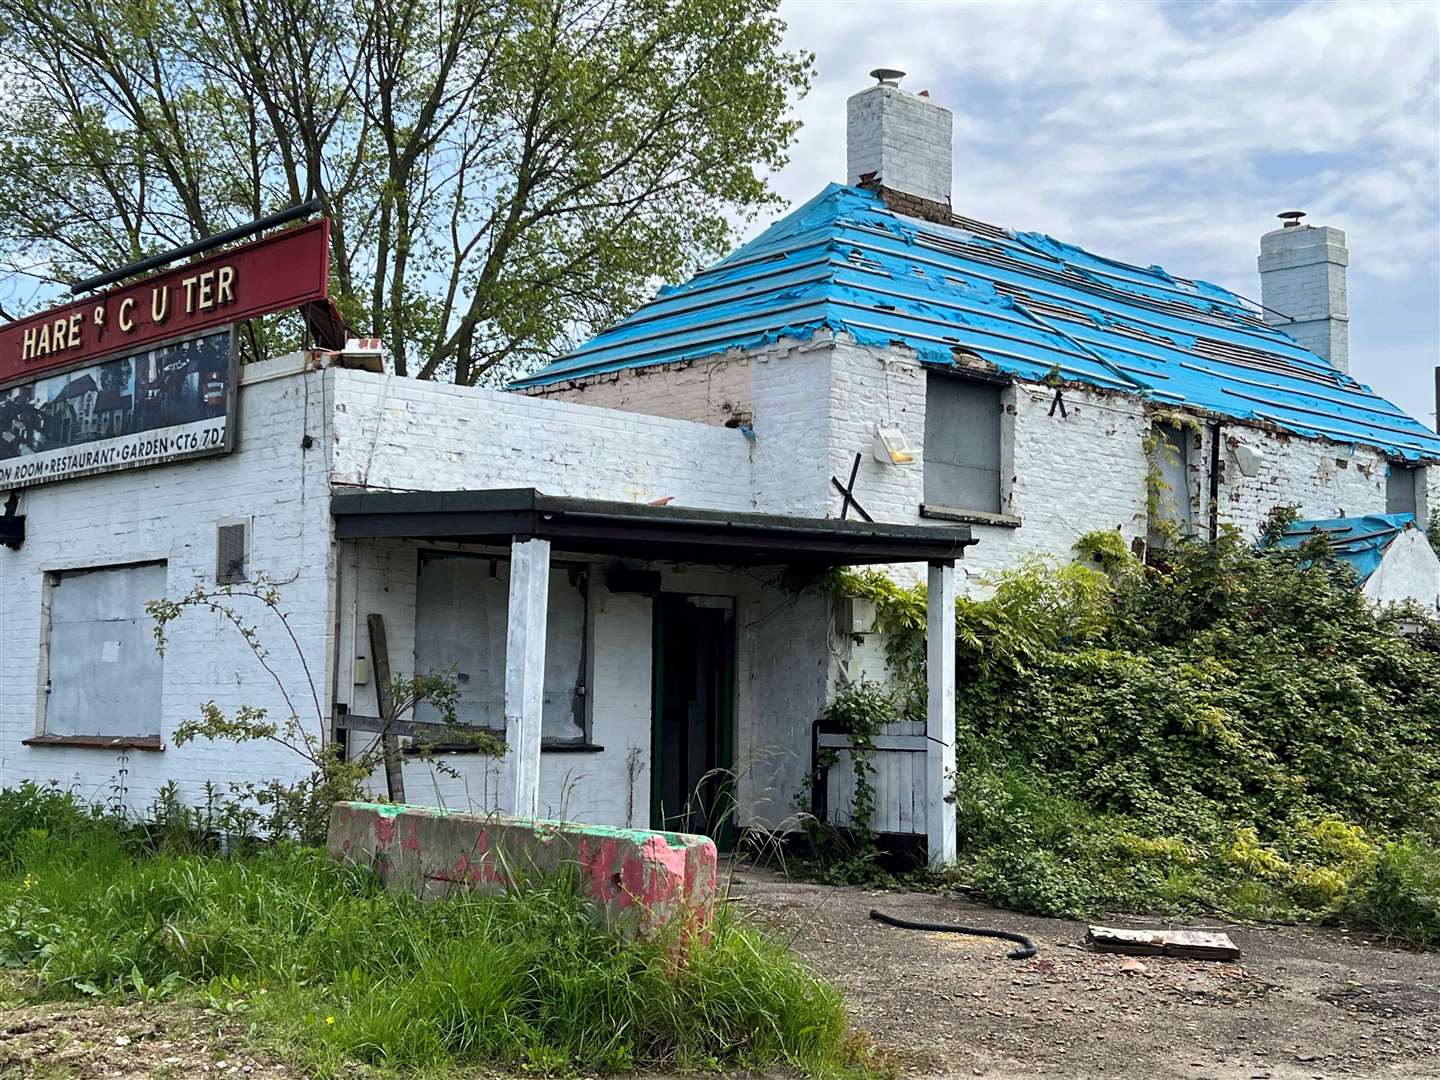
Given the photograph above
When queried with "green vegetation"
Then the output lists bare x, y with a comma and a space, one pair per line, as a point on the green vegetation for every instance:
298, 809
343, 977
1233, 729
848, 854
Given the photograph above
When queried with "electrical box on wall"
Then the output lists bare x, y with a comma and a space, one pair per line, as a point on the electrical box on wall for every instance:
862, 615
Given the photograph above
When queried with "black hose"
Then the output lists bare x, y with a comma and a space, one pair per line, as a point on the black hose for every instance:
1026, 950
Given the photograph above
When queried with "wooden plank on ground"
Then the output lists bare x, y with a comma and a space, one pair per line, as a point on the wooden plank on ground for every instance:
389, 741
1192, 944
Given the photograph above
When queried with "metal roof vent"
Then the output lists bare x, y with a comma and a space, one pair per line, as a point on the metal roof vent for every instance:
1291, 218
887, 76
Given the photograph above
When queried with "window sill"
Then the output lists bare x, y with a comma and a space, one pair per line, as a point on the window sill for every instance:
968, 517
98, 742
545, 748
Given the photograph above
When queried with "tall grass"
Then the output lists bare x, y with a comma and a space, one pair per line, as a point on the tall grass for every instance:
342, 973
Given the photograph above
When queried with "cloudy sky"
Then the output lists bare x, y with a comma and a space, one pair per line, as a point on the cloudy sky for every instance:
1173, 133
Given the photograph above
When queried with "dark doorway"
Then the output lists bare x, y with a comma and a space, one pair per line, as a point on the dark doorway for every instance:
692, 781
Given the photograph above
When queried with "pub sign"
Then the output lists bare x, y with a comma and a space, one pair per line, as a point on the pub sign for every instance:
145, 373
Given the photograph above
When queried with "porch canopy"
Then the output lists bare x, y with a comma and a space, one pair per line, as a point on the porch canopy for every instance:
529, 522
637, 530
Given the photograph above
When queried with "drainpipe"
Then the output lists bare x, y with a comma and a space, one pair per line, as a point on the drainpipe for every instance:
1215, 475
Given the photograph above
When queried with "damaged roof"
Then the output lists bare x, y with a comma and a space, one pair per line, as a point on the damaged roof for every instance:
1026, 303
1359, 541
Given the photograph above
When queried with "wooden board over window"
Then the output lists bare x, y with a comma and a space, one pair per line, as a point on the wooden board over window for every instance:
103, 673
961, 455
461, 614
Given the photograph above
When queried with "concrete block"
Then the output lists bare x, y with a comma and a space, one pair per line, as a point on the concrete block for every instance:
639, 882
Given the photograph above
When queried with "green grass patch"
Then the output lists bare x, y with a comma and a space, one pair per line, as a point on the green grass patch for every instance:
340, 974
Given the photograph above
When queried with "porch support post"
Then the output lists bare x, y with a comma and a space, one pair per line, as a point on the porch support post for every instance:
940, 715
525, 673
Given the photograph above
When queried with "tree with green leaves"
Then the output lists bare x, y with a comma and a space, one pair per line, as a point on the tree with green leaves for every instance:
503, 176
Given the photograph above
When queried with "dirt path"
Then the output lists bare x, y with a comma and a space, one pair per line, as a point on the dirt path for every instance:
132, 1042
1301, 1004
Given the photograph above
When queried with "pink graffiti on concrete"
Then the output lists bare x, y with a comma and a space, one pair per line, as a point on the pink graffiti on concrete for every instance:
384, 831
637, 881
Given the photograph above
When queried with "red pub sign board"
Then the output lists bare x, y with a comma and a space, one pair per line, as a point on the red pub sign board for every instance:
282, 271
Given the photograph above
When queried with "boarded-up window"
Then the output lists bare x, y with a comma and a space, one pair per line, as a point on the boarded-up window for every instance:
461, 612
1170, 480
1400, 489
103, 674
961, 456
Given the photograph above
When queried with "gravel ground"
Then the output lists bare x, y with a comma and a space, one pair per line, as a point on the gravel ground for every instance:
1301, 1004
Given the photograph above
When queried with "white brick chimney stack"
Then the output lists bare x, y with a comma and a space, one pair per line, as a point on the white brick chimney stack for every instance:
1302, 285
898, 140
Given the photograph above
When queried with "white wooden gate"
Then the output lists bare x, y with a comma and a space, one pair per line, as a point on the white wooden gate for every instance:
899, 778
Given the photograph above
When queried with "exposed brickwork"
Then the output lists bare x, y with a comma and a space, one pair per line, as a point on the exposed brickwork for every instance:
902, 202
711, 391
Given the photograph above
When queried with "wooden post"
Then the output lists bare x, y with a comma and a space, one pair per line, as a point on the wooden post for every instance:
380, 661
940, 716
525, 673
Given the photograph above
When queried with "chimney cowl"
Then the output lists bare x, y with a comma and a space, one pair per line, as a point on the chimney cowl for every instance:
887, 76
1291, 218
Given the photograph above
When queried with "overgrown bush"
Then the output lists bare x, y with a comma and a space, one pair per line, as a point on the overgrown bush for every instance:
337, 973
1233, 728
1399, 893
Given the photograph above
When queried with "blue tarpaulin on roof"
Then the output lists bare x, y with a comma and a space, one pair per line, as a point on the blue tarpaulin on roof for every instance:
1028, 304
1359, 541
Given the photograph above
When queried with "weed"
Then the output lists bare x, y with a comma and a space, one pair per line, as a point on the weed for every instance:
335, 971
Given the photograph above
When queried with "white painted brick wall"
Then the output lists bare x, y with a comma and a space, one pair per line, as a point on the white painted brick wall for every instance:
900, 139
773, 388
391, 433
782, 667
595, 787
1303, 288
170, 513
815, 405
405, 434
1063, 475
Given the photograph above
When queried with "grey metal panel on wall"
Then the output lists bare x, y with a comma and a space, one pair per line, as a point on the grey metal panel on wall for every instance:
961, 455
461, 609
1400, 489
104, 673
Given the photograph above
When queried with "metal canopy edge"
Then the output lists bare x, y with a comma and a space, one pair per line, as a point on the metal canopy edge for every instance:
638, 530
